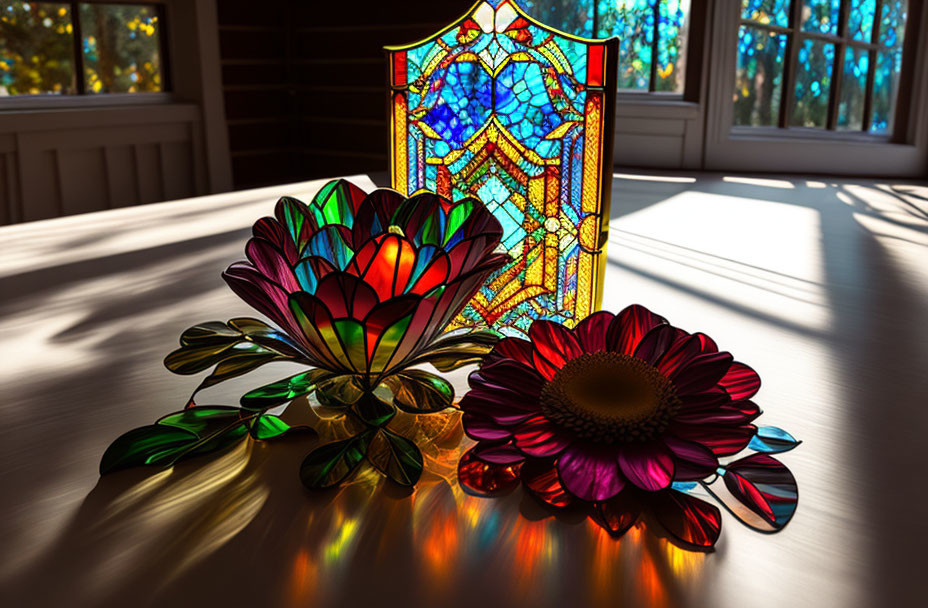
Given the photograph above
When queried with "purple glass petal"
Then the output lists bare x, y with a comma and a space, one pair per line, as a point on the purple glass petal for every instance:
648, 465
590, 472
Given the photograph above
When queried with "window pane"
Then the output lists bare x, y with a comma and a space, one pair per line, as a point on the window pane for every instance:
853, 89
122, 48
633, 22
892, 22
775, 12
571, 16
36, 46
813, 81
671, 45
820, 16
885, 87
860, 19
758, 80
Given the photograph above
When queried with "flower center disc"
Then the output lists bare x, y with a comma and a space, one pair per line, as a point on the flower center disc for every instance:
610, 398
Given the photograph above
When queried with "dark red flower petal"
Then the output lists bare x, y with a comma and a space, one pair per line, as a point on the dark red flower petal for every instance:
722, 440
483, 428
495, 453
540, 438
617, 514
738, 413
484, 478
554, 346
590, 472
694, 461
740, 381
542, 480
701, 373
707, 400
591, 331
657, 342
648, 465
512, 348
628, 328
504, 407
679, 354
507, 374
708, 344
690, 520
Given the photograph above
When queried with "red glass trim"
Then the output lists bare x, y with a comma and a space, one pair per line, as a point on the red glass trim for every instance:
594, 65
399, 68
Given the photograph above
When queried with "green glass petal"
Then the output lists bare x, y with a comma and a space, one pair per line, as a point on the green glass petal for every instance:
285, 390
396, 457
153, 444
199, 419
457, 217
332, 463
389, 340
351, 334
193, 359
269, 426
419, 392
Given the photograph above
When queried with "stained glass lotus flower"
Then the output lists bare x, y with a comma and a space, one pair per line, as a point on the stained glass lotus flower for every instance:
361, 288
621, 413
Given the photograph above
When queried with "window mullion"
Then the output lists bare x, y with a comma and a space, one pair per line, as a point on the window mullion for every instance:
871, 67
78, 40
652, 85
792, 58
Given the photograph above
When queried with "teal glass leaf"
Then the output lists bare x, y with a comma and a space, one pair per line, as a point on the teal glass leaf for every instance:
420, 392
282, 391
772, 440
396, 457
329, 465
155, 444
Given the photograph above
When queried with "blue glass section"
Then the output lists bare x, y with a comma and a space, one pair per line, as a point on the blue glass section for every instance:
820, 16
771, 440
464, 102
683, 486
860, 19
524, 107
771, 12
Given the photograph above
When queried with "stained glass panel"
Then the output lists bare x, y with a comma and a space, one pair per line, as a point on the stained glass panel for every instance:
36, 44
768, 12
820, 16
671, 46
885, 87
853, 89
501, 107
813, 82
759, 76
571, 16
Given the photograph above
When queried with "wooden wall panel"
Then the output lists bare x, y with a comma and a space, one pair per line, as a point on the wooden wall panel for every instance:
122, 176
83, 179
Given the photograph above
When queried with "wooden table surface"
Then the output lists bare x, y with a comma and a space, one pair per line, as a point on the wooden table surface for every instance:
821, 286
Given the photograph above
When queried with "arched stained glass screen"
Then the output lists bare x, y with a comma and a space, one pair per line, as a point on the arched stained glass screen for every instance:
520, 115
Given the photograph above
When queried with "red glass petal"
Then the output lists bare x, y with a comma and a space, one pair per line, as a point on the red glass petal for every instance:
657, 342
590, 472
694, 461
483, 428
648, 465
539, 437
591, 331
554, 346
701, 373
740, 381
692, 521
765, 486
629, 326
512, 348
617, 514
484, 478
541, 478
722, 440
679, 354
494, 453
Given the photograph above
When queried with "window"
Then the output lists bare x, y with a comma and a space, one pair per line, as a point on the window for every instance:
73, 48
652, 35
825, 64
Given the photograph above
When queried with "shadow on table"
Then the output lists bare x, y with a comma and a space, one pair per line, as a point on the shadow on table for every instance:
240, 529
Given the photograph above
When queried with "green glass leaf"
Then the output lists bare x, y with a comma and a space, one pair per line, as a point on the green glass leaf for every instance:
211, 332
191, 360
269, 426
419, 392
266, 336
285, 390
329, 465
375, 409
396, 457
458, 350
220, 439
152, 444
199, 420
339, 391
237, 365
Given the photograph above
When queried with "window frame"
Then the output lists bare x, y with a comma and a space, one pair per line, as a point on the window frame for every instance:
795, 37
81, 97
